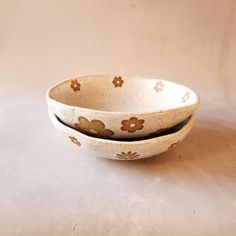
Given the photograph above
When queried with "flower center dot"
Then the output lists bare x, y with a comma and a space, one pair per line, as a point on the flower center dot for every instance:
132, 125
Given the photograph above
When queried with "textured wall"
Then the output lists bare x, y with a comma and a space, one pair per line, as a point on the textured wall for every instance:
188, 41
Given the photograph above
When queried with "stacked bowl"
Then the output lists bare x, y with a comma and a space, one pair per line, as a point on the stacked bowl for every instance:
122, 117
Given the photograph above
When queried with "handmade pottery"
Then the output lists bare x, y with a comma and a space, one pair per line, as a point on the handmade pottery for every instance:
124, 150
121, 106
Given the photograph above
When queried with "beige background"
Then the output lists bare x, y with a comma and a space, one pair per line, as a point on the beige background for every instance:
47, 188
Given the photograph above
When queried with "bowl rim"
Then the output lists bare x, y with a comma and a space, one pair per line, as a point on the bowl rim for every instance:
66, 106
66, 129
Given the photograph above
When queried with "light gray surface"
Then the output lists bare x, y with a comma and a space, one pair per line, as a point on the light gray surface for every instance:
47, 188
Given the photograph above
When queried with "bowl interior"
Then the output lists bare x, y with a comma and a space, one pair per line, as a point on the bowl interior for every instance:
123, 94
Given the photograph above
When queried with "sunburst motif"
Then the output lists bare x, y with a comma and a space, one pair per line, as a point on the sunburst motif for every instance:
128, 155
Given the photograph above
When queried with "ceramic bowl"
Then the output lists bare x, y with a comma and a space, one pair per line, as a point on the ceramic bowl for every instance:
121, 106
124, 150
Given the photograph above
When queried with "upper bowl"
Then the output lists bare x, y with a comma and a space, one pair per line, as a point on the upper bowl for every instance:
121, 106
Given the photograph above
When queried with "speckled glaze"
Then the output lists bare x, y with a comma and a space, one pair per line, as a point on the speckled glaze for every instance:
122, 150
121, 106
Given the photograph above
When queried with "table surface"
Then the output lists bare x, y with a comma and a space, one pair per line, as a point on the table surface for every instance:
48, 187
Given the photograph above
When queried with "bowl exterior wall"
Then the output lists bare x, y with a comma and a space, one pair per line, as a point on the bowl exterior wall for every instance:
119, 125
120, 150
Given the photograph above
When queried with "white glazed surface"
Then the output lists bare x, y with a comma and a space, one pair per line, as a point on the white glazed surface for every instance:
122, 150
121, 106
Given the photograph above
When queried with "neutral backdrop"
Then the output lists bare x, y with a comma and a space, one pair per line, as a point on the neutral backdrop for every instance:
47, 187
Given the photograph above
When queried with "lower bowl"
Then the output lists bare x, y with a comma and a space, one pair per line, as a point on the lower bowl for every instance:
125, 150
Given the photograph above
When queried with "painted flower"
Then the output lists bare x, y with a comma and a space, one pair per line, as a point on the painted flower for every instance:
75, 85
159, 86
118, 81
75, 141
95, 127
128, 155
132, 125
185, 97
173, 145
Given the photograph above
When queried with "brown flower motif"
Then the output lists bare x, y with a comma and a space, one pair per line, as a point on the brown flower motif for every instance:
75, 141
118, 81
75, 85
173, 145
132, 125
128, 155
159, 86
185, 97
95, 127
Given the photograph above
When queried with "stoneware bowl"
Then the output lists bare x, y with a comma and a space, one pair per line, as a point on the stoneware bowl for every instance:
121, 106
124, 150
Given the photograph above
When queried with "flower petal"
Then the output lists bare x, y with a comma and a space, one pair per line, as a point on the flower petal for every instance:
138, 126
97, 125
83, 124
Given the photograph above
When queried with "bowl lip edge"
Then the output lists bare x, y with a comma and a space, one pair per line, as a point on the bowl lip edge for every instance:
49, 99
